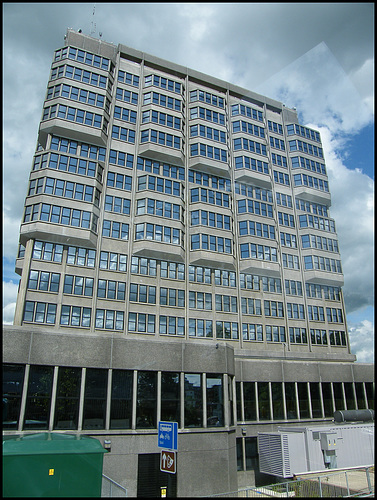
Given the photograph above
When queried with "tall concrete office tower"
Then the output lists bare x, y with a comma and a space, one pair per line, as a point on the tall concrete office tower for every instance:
178, 262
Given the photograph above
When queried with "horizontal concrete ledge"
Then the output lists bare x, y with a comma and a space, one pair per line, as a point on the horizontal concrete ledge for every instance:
293, 356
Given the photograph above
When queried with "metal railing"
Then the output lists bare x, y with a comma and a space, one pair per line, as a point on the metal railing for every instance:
353, 482
111, 488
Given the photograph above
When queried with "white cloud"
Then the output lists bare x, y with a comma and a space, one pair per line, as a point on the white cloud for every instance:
327, 101
352, 194
10, 290
362, 341
363, 79
321, 91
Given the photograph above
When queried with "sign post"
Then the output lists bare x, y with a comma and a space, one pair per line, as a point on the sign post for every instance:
168, 440
168, 435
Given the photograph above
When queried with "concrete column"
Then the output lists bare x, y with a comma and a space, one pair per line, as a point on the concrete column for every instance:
18, 314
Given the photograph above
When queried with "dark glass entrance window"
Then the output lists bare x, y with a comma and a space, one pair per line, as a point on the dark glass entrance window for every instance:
370, 394
338, 395
359, 388
264, 401
315, 400
251, 453
290, 400
67, 398
215, 401
38, 400
303, 399
277, 400
193, 400
121, 399
250, 404
327, 399
13, 382
238, 401
146, 406
170, 400
95, 398
350, 398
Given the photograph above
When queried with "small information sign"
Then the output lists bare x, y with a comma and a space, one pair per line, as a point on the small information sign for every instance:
168, 435
168, 461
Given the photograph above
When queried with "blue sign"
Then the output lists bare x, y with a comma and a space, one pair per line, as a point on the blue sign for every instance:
168, 435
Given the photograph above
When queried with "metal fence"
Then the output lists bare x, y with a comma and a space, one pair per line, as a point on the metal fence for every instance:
111, 488
354, 482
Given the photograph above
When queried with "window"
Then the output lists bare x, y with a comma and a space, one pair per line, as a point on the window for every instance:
297, 335
277, 400
200, 328
226, 330
95, 396
275, 333
121, 399
226, 303
39, 312
141, 323
213, 243
142, 293
264, 401
315, 398
141, 265
75, 316
193, 400
146, 402
172, 297
251, 331
67, 398
170, 397
200, 300
215, 401
171, 325
38, 399
208, 151
13, 382
113, 261
303, 399
327, 399
290, 400
109, 320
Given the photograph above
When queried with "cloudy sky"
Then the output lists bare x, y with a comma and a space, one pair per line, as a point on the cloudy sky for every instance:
316, 57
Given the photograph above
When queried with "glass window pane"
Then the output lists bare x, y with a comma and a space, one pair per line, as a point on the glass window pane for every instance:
146, 405
251, 453
303, 399
13, 381
95, 398
249, 401
193, 400
121, 399
264, 401
350, 399
315, 400
327, 399
170, 397
338, 396
67, 398
38, 400
359, 388
215, 403
290, 400
277, 401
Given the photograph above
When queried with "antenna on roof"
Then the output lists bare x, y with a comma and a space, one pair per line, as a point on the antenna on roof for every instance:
93, 24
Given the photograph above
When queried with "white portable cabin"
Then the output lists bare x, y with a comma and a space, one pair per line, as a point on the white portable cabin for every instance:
295, 450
